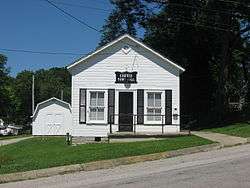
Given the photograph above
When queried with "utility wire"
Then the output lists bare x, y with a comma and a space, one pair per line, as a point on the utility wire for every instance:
200, 25
205, 9
209, 9
82, 6
188, 21
213, 26
52, 52
235, 2
205, 21
175, 4
60, 53
73, 17
38, 52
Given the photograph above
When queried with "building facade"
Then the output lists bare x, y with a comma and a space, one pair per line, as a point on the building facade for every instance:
125, 86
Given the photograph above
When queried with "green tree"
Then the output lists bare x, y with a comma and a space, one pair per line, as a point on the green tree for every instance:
203, 37
48, 83
51, 83
4, 94
122, 19
23, 92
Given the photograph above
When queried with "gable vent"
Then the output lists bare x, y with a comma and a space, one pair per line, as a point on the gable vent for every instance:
126, 49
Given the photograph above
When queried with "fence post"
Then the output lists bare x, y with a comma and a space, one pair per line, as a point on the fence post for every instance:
110, 125
162, 124
68, 139
134, 124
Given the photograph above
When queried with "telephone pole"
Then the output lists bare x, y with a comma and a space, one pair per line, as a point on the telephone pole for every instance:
33, 93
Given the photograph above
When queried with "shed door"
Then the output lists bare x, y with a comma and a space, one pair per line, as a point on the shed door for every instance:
58, 123
49, 124
54, 125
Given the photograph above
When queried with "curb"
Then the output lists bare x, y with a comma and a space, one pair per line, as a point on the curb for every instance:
104, 164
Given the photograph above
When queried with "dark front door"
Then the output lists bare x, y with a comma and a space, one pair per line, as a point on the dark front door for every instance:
125, 111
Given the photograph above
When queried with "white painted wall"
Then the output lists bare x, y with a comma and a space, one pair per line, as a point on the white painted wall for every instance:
52, 118
99, 73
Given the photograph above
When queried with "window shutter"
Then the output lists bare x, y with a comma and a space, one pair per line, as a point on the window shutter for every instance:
140, 106
111, 106
168, 107
82, 106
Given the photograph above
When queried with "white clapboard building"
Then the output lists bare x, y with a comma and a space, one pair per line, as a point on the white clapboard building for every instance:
52, 118
125, 86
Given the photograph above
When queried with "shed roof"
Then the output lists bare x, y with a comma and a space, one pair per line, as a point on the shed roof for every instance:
46, 101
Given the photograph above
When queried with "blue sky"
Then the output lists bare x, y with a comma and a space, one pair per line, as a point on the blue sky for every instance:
37, 26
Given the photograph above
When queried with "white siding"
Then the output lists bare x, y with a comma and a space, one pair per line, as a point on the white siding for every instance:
52, 118
99, 73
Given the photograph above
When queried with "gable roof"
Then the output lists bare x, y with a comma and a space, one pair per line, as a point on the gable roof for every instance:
119, 39
46, 101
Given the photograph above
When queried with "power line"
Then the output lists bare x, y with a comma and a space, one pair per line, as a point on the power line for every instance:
61, 53
234, 2
205, 9
206, 21
208, 9
82, 6
213, 26
200, 25
52, 52
73, 17
175, 4
188, 21
39, 52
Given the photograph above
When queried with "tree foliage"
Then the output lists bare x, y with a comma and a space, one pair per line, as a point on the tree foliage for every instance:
4, 96
122, 20
16, 93
22, 92
207, 38
48, 83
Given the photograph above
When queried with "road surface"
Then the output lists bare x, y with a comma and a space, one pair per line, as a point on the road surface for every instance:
225, 168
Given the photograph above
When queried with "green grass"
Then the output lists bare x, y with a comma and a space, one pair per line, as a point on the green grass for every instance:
237, 129
11, 137
38, 153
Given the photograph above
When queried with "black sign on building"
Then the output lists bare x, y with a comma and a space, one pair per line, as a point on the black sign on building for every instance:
126, 77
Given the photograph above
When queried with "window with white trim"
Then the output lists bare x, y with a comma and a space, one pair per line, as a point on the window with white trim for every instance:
154, 106
96, 105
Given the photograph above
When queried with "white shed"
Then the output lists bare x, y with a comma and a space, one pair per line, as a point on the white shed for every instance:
52, 117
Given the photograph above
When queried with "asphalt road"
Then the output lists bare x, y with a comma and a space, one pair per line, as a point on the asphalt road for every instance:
225, 168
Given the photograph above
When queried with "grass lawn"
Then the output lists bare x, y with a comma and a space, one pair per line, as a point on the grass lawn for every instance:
237, 129
38, 153
11, 137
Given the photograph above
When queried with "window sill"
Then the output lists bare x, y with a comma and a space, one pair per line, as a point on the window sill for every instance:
153, 122
96, 123
90, 124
